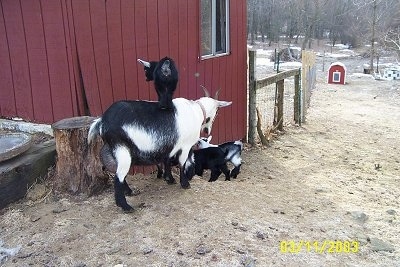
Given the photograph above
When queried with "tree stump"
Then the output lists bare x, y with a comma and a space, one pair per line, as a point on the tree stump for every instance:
78, 168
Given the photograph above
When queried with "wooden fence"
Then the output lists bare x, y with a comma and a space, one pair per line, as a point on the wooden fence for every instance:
278, 98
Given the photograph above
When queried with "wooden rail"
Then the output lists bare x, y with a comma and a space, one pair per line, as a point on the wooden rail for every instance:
278, 79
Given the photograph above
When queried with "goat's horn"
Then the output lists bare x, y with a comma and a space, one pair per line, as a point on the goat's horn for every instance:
207, 94
144, 63
216, 94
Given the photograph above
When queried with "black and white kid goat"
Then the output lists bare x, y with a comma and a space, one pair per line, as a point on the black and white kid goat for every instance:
210, 158
232, 152
165, 76
140, 133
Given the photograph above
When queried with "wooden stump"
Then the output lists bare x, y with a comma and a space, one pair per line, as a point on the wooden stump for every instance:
78, 169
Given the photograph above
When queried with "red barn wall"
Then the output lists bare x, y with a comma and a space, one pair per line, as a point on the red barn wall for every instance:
65, 58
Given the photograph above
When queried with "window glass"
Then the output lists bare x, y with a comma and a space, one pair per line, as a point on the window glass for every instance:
336, 76
206, 27
214, 27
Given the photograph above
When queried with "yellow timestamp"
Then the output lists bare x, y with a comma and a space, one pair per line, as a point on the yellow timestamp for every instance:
326, 246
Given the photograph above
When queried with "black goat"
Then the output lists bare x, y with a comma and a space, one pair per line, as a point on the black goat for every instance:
165, 76
232, 150
210, 158
213, 159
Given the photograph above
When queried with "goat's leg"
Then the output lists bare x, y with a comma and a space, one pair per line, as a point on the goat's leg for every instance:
123, 159
168, 173
127, 190
186, 172
226, 171
235, 171
159, 171
215, 173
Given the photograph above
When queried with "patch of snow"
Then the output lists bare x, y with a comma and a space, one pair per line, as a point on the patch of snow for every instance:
25, 126
361, 76
5, 253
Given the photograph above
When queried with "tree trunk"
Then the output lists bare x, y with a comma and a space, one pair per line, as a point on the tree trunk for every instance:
78, 169
371, 63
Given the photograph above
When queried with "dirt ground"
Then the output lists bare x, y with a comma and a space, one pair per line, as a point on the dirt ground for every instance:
335, 178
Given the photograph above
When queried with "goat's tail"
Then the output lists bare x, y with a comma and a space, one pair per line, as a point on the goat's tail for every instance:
94, 130
239, 143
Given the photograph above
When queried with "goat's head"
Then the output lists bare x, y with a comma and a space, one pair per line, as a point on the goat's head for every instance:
204, 142
149, 68
210, 108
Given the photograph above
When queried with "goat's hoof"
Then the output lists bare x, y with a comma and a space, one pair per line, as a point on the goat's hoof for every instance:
170, 181
126, 208
134, 192
185, 186
128, 211
128, 193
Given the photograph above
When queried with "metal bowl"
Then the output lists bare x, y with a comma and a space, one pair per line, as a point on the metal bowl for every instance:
13, 144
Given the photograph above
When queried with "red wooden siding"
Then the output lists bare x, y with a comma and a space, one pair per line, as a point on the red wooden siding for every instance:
65, 58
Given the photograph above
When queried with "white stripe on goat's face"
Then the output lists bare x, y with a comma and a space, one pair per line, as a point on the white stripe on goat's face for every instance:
211, 106
145, 141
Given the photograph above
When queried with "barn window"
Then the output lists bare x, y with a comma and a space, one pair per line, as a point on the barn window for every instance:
336, 76
214, 28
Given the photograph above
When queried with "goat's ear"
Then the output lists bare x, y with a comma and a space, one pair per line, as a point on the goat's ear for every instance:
223, 103
144, 63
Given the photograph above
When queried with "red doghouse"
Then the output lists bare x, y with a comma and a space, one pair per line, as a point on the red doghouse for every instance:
337, 73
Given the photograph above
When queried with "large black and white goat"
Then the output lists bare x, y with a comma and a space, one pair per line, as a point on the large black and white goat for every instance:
232, 151
140, 133
165, 76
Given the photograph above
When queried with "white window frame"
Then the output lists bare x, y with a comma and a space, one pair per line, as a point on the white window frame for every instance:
214, 53
338, 75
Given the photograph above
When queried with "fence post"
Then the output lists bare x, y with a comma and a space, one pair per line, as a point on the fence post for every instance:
281, 85
252, 98
296, 99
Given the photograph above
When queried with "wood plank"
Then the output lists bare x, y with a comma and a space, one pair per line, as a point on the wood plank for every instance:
279, 118
225, 125
37, 56
19, 173
60, 83
131, 67
242, 57
141, 47
153, 44
86, 58
252, 99
192, 50
183, 88
7, 97
114, 29
277, 77
173, 25
234, 72
98, 19
163, 28
69, 52
18, 58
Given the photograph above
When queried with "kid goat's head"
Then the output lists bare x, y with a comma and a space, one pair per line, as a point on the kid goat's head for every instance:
210, 108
